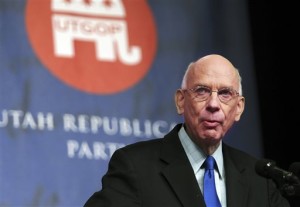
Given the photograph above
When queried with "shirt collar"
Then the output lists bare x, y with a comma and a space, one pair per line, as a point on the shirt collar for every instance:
196, 156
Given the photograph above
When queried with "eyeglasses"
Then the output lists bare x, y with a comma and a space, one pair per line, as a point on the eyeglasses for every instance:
202, 93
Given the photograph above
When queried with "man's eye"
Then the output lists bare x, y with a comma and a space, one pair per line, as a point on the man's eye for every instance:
225, 92
202, 90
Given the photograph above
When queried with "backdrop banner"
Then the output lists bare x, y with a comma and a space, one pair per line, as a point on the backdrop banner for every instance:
82, 78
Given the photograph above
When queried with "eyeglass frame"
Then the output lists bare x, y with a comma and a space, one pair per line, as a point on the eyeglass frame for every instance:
193, 90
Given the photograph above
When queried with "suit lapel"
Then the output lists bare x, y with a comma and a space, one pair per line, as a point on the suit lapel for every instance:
237, 188
179, 173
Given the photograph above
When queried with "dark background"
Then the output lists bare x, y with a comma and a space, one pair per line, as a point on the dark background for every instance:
275, 37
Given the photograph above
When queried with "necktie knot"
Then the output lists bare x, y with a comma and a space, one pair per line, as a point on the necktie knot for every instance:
210, 163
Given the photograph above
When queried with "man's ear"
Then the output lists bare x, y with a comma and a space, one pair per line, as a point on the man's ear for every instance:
240, 108
179, 101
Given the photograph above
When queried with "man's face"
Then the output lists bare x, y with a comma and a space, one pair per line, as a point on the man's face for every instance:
209, 120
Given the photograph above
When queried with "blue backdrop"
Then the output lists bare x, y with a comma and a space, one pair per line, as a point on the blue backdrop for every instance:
80, 79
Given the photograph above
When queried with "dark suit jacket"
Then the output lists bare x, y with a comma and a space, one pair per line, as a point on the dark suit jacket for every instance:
157, 173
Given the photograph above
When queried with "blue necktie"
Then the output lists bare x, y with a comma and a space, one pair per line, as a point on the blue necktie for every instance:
209, 187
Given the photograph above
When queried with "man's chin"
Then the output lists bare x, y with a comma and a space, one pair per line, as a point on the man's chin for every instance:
213, 136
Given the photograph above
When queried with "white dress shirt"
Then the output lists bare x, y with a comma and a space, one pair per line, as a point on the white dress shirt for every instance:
197, 157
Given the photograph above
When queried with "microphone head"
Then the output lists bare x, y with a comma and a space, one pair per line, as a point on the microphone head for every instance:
263, 166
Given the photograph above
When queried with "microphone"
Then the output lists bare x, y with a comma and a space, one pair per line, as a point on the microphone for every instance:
286, 181
267, 168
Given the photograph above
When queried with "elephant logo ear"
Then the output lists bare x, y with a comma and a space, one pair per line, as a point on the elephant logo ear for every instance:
95, 46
